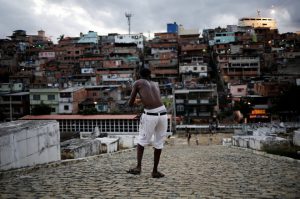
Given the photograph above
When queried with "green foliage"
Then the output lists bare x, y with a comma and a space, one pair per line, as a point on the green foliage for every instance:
89, 111
287, 152
289, 100
167, 102
243, 106
41, 109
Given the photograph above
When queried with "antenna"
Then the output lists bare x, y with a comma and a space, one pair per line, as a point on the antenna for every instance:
258, 13
128, 15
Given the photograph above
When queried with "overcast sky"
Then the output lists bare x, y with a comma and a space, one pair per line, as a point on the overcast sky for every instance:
70, 17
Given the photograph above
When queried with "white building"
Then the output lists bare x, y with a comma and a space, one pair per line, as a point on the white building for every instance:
11, 87
48, 96
237, 90
70, 98
258, 22
138, 39
183, 31
117, 78
200, 69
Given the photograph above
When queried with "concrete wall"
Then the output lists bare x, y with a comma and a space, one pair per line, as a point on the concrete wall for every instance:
126, 141
260, 142
79, 148
206, 138
109, 145
296, 138
27, 143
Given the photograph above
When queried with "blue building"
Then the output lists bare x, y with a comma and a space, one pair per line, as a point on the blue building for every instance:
172, 28
224, 37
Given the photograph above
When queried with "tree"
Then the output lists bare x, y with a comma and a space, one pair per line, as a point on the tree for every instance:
288, 103
244, 106
89, 111
41, 109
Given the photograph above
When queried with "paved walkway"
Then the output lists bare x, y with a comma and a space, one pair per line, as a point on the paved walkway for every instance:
191, 172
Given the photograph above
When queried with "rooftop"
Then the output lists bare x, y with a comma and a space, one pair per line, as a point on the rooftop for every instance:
74, 117
194, 171
19, 125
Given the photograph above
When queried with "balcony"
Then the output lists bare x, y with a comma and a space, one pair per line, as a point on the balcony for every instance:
243, 73
193, 47
211, 101
165, 71
65, 100
192, 101
179, 101
244, 60
200, 114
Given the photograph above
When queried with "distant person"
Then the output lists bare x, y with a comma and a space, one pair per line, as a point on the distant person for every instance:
197, 140
153, 121
188, 138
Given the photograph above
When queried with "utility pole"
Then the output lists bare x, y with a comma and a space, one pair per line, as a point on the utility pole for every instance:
128, 15
10, 108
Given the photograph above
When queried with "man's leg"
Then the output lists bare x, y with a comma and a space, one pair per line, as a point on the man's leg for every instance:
137, 170
155, 172
139, 153
157, 153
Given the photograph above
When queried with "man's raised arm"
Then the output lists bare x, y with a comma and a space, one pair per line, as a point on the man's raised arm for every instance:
133, 94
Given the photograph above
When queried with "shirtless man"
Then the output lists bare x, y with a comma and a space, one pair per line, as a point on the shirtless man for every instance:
153, 121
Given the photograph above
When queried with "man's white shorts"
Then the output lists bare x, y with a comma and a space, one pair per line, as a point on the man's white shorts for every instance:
153, 125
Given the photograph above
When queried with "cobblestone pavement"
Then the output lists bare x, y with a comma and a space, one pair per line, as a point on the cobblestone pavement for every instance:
191, 172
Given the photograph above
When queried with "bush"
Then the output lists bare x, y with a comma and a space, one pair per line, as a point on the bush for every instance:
41, 109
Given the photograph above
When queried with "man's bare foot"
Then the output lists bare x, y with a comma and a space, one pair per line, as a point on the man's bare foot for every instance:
134, 171
157, 174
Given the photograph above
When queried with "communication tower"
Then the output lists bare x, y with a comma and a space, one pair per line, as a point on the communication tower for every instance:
128, 16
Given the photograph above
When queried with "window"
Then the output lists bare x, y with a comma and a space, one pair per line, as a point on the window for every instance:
180, 108
51, 97
239, 90
65, 95
66, 107
36, 97
53, 110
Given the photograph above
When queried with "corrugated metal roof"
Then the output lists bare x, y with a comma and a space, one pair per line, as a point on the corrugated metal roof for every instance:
79, 117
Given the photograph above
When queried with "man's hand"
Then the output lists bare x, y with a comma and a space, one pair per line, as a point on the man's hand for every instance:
137, 101
138, 116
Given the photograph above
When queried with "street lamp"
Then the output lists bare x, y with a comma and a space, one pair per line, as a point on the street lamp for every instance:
95, 103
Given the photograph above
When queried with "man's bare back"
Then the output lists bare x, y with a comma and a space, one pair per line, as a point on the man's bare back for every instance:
148, 92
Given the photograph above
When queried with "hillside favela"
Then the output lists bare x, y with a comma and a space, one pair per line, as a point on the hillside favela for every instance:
72, 125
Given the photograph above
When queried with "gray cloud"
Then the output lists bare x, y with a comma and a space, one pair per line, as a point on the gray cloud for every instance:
70, 17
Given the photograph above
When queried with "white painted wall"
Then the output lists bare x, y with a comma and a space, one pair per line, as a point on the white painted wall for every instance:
126, 141
132, 38
80, 148
28, 142
296, 137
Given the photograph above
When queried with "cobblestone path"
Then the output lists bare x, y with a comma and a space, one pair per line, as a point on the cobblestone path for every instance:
191, 172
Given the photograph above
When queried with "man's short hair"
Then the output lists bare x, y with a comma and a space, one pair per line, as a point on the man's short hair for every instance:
145, 72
